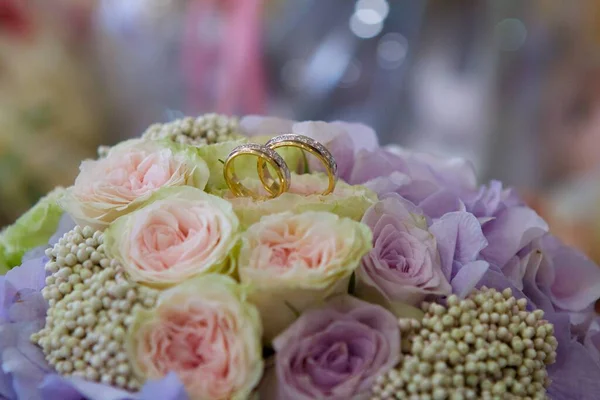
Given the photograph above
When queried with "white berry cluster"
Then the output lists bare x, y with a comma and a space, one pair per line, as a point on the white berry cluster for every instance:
91, 306
203, 130
484, 347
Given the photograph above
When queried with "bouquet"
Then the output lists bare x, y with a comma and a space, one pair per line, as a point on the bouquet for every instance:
179, 267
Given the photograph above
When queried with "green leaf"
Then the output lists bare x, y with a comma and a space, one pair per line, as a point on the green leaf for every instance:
32, 229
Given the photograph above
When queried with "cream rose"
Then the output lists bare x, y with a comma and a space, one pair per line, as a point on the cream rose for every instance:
206, 332
350, 201
113, 186
180, 233
296, 260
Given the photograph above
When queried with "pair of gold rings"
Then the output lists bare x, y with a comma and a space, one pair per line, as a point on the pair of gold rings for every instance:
267, 156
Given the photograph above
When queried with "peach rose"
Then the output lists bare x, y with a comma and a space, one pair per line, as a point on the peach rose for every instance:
205, 331
296, 260
110, 187
180, 233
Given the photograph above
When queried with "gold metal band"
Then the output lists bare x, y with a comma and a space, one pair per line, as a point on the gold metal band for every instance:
307, 144
265, 156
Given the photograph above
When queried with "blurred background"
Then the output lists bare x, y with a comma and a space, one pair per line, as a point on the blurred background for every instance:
512, 85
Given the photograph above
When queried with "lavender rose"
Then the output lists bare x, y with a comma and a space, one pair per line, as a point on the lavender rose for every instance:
336, 352
404, 265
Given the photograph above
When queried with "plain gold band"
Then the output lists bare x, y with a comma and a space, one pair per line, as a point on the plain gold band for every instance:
265, 155
304, 143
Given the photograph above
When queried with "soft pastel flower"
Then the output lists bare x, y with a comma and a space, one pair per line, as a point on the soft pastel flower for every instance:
454, 172
344, 140
110, 187
296, 260
56, 387
206, 332
31, 230
22, 313
415, 176
576, 284
337, 351
439, 186
489, 200
404, 265
304, 195
180, 233
460, 241
575, 373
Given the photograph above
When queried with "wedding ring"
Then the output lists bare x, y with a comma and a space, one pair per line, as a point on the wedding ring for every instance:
265, 156
309, 145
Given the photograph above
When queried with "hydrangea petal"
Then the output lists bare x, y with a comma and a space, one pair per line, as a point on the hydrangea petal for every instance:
512, 229
468, 277
374, 164
459, 238
575, 374
577, 282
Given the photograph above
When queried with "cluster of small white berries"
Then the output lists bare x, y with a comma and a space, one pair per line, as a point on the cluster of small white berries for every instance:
91, 306
200, 131
74, 259
484, 347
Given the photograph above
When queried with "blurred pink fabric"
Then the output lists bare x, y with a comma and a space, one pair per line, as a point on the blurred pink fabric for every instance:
222, 57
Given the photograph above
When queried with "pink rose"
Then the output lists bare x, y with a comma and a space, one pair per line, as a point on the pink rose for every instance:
404, 265
296, 260
182, 232
114, 186
205, 332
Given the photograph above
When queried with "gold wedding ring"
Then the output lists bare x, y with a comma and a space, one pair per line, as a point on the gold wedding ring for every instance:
304, 143
265, 156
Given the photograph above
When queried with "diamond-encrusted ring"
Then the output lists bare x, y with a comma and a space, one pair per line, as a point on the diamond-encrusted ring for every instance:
307, 144
265, 156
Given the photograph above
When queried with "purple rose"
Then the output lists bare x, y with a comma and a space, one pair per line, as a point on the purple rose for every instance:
336, 352
404, 264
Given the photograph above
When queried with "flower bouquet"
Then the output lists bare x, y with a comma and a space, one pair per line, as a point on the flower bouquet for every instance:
179, 267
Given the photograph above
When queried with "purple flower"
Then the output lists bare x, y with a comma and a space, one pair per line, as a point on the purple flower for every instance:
404, 264
22, 313
575, 373
430, 182
576, 284
460, 242
61, 388
336, 352
490, 200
